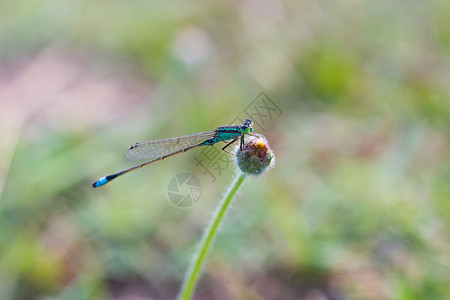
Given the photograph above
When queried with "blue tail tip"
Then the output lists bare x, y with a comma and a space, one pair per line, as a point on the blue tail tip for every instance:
100, 182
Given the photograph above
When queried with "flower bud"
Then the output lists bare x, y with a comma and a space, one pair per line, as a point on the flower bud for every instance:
256, 155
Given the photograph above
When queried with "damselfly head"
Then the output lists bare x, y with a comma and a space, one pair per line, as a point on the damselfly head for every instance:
248, 126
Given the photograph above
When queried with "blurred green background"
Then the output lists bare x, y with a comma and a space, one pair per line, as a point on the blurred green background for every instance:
357, 206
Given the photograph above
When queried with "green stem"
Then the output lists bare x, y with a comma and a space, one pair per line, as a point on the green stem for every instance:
195, 268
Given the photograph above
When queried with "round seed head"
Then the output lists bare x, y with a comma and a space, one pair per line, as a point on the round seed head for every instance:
256, 155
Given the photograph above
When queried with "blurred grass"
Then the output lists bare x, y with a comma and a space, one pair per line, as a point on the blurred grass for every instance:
356, 207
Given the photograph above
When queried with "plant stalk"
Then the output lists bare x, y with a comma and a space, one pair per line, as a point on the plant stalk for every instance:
205, 245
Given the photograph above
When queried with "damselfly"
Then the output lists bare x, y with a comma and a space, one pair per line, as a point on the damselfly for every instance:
156, 150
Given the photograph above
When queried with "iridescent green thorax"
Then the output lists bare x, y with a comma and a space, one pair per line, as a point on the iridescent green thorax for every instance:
225, 133
232, 132
246, 130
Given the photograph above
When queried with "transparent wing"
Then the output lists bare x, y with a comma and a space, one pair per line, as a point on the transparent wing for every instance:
158, 148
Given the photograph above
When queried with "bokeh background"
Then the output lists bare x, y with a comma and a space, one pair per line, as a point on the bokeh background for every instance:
357, 206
